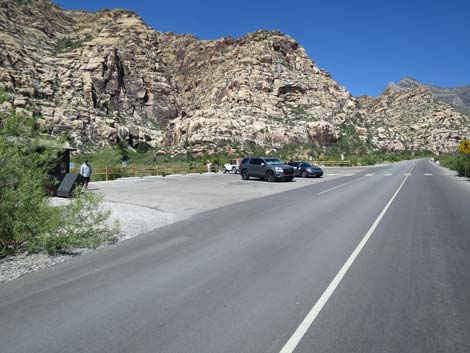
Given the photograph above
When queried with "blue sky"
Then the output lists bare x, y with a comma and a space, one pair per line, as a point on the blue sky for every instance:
364, 44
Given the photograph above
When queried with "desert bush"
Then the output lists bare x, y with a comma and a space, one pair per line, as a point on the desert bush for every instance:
80, 223
3, 95
27, 220
455, 162
66, 44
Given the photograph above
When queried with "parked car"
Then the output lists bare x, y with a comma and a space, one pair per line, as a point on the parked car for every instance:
232, 166
306, 170
267, 168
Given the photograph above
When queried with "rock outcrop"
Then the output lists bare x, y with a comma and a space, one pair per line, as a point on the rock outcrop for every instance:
457, 97
412, 119
261, 89
104, 77
97, 77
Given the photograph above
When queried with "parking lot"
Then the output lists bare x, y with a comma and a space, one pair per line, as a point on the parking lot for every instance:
149, 202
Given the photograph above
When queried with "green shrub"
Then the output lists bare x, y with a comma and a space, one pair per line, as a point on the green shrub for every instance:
370, 160
3, 95
123, 148
28, 221
66, 44
81, 223
455, 162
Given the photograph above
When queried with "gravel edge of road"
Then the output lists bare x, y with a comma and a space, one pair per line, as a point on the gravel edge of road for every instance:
133, 221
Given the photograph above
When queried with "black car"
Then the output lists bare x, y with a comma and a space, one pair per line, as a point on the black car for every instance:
267, 168
306, 170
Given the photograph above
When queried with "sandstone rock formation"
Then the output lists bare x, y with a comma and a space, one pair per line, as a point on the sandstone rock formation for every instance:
106, 77
260, 89
457, 97
413, 119
96, 77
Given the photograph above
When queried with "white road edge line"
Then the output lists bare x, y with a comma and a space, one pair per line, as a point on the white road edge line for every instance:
338, 186
299, 333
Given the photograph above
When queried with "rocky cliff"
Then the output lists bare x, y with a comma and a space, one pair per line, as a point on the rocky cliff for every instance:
98, 77
106, 77
457, 97
412, 119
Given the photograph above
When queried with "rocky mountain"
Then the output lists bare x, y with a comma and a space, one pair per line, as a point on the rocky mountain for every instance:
106, 77
412, 119
458, 97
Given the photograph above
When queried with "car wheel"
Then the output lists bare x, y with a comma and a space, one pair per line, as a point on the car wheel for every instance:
234, 170
304, 174
245, 175
270, 176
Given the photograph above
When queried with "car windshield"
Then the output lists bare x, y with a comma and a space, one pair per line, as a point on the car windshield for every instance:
308, 165
272, 161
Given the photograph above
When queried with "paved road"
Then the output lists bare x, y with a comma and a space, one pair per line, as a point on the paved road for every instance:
243, 278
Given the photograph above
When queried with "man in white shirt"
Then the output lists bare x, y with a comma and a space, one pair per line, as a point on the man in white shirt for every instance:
85, 172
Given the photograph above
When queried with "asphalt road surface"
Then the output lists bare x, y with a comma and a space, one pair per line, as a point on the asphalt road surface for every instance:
374, 262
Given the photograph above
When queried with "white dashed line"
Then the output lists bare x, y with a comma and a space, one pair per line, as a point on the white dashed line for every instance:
387, 174
408, 174
304, 326
338, 186
372, 174
428, 174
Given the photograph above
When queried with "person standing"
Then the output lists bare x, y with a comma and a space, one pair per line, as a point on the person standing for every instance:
85, 172
208, 166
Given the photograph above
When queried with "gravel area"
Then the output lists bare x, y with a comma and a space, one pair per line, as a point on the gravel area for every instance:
133, 220
13, 267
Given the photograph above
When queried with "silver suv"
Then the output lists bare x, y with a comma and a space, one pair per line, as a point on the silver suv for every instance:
267, 168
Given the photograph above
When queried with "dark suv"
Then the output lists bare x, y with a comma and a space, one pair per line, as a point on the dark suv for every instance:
267, 168
306, 170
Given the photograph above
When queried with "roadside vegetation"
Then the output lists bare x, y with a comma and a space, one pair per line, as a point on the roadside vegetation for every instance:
455, 161
29, 222
112, 157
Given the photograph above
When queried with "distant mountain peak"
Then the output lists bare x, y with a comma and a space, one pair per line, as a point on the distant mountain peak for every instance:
458, 97
405, 84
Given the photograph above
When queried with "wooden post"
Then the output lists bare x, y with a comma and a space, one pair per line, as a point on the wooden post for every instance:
106, 172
